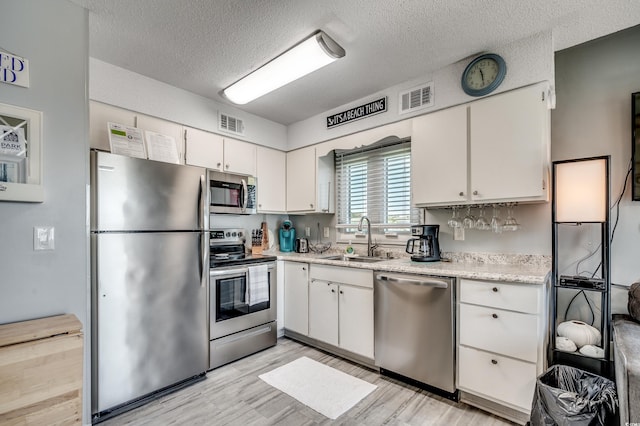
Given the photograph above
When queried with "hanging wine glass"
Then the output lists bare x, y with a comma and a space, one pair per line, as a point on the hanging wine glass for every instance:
496, 221
482, 223
510, 223
454, 222
469, 221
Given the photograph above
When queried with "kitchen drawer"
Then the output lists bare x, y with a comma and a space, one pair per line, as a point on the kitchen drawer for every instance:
509, 333
514, 297
496, 377
338, 274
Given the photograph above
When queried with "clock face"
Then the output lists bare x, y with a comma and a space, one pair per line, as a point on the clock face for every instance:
483, 75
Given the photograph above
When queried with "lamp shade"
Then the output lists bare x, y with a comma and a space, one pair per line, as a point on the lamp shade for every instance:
581, 190
311, 54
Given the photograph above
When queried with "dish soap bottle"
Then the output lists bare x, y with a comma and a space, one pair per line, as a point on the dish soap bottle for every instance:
349, 249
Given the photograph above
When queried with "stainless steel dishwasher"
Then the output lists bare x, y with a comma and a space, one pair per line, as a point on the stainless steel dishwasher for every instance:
415, 328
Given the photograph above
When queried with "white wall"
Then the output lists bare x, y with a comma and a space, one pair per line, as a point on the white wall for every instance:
528, 61
53, 36
123, 88
594, 82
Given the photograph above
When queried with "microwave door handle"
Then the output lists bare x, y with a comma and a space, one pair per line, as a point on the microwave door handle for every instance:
245, 195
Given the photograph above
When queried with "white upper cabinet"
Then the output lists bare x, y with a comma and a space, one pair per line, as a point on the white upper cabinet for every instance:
310, 181
204, 149
216, 152
271, 171
164, 127
509, 146
439, 157
492, 150
301, 180
239, 157
99, 115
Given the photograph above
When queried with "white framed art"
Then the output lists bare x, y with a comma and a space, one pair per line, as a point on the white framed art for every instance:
20, 154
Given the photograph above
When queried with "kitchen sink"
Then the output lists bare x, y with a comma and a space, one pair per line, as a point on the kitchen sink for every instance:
354, 258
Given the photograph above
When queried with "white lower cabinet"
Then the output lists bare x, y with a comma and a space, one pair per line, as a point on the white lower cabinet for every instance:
341, 308
296, 297
501, 344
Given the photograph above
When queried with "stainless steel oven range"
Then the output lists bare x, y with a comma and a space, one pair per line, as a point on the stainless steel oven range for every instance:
242, 299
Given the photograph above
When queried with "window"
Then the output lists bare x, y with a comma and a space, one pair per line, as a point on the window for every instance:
375, 181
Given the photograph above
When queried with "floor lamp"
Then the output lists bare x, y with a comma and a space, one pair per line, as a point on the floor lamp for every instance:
581, 196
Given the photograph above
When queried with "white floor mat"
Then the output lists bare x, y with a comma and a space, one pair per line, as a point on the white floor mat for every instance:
326, 390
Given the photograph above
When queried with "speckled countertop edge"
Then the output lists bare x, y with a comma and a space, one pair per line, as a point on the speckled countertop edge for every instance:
534, 272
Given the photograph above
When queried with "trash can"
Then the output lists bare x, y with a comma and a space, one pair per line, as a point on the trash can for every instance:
569, 396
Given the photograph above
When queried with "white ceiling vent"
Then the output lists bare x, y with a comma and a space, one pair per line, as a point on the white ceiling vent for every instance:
229, 124
416, 98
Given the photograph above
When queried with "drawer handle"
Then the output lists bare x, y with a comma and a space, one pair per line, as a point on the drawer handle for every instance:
494, 362
494, 315
495, 289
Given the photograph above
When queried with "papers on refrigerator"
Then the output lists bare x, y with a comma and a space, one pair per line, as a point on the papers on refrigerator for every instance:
162, 147
126, 140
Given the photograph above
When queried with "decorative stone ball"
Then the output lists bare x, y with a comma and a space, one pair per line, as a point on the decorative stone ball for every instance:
579, 333
634, 301
592, 351
565, 345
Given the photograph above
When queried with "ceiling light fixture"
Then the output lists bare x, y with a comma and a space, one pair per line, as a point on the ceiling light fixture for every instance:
307, 56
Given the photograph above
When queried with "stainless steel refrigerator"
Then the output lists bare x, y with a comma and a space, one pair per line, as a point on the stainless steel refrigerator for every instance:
149, 266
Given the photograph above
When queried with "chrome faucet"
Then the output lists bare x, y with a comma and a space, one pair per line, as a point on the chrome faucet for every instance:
370, 248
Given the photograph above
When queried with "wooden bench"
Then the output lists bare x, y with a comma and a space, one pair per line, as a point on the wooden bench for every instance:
626, 350
41, 371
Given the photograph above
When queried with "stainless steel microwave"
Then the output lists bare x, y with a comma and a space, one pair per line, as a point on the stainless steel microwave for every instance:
231, 193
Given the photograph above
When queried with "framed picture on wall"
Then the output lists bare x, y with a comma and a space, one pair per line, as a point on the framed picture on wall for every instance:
20, 154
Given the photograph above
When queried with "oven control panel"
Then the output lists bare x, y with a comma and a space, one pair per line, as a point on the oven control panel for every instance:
228, 235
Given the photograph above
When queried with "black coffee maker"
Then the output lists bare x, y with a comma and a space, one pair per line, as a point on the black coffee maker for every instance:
428, 247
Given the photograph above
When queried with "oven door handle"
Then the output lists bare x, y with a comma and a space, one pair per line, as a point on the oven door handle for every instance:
215, 272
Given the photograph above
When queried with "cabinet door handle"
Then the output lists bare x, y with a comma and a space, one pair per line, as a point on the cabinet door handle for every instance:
494, 362
311, 205
461, 194
341, 292
333, 290
304, 269
495, 289
226, 166
219, 164
475, 192
494, 315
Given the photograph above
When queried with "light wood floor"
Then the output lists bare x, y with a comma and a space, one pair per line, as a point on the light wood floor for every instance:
234, 395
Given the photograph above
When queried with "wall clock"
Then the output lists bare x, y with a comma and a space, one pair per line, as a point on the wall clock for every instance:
483, 75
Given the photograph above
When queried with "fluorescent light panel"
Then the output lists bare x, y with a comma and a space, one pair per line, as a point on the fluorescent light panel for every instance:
311, 54
581, 191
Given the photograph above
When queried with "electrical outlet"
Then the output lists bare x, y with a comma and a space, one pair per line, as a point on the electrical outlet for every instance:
307, 231
326, 232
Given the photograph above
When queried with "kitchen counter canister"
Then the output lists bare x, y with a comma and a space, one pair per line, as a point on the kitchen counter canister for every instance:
533, 273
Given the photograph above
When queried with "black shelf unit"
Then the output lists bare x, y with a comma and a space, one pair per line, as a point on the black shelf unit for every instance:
600, 287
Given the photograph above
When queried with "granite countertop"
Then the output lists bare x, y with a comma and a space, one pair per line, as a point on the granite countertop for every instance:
522, 269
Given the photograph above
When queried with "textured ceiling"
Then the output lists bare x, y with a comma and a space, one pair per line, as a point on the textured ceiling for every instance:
204, 45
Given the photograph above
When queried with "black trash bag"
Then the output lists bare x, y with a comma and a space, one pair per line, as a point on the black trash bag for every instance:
569, 396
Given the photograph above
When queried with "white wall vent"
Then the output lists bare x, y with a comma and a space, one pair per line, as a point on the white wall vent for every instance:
416, 98
230, 124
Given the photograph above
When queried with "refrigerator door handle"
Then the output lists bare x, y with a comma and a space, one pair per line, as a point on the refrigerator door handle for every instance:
202, 249
201, 198
245, 195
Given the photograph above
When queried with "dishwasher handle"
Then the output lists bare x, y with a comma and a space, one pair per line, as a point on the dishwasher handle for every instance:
427, 282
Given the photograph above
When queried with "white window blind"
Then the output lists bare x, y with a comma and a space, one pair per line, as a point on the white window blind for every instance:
375, 181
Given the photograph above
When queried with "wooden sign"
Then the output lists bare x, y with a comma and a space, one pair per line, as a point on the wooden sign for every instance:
356, 113
14, 69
